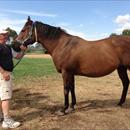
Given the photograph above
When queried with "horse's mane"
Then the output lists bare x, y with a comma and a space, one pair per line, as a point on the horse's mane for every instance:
49, 31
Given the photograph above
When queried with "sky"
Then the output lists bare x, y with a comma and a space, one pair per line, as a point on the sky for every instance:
89, 19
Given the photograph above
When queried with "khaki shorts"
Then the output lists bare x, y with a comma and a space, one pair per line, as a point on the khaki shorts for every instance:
5, 88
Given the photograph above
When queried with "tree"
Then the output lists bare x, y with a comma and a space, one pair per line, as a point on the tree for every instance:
113, 34
126, 32
12, 33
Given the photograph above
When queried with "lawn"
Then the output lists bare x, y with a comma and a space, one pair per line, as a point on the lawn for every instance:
37, 67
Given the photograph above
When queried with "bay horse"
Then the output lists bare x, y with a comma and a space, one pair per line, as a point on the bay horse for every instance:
73, 55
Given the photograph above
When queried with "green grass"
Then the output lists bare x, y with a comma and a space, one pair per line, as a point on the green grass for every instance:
34, 67
35, 51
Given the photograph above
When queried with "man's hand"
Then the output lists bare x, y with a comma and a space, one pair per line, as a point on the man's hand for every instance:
6, 75
20, 55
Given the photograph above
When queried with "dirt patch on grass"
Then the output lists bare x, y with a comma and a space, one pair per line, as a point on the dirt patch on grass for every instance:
36, 100
37, 56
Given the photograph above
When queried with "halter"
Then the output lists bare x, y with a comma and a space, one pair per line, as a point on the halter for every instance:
30, 34
35, 32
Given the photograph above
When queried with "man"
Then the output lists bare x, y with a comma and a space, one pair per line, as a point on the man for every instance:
6, 67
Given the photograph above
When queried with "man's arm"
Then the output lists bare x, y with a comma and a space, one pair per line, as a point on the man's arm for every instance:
6, 74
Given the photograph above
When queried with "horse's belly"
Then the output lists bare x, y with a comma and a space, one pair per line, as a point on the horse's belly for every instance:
96, 74
97, 71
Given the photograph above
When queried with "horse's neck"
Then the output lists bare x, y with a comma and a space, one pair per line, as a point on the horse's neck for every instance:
51, 45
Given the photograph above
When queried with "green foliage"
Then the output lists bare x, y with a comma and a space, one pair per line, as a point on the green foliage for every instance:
126, 32
34, 49
31, 67
113, 34
12, 33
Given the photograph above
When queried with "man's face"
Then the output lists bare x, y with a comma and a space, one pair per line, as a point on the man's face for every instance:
3, 38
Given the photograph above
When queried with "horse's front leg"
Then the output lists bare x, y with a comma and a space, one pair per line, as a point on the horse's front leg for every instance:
68, 80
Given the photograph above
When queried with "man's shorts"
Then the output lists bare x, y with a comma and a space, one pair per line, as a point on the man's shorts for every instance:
5, 88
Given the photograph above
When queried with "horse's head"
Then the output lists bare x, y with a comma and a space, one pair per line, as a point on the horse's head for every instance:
26, 36
39, 32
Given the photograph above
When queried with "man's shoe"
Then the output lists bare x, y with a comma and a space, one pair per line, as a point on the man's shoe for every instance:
10, 123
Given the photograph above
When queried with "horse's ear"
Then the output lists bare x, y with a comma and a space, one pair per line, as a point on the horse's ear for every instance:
29, 19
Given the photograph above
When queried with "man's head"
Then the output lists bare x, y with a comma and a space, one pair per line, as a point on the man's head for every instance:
4, 35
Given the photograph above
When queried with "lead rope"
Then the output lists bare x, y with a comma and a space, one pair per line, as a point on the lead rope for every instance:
19, 60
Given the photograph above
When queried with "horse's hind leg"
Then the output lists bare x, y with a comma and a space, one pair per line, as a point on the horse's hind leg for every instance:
122, 72
72, 89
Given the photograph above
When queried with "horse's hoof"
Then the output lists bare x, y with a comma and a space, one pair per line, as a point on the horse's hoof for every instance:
119, 104
60, 113
71, 109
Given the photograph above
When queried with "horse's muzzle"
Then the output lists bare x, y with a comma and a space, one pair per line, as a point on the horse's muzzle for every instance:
16, 46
